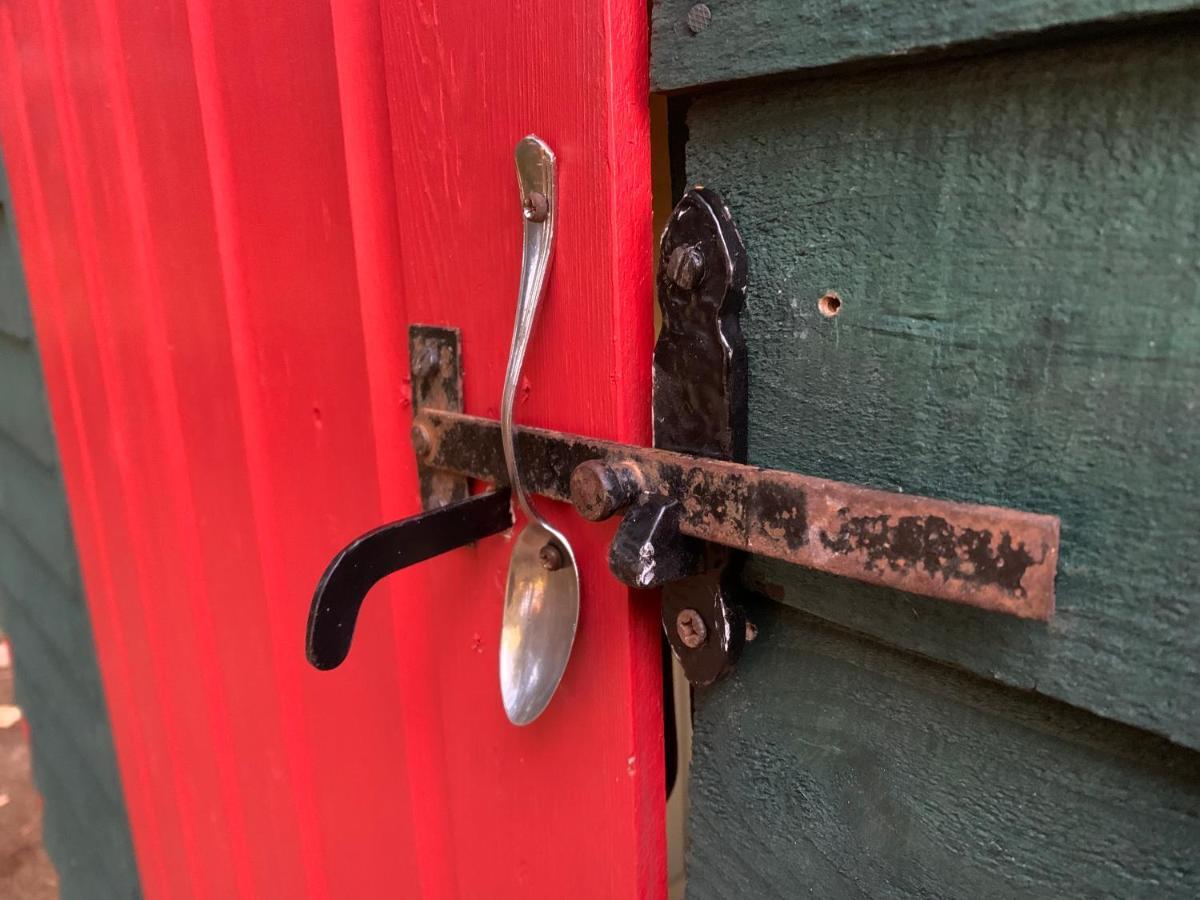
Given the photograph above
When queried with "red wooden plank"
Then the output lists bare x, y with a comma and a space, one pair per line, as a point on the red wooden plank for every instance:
229, 216
69, 265
571, 805
203, 443
268, 96
36, 168
358, 42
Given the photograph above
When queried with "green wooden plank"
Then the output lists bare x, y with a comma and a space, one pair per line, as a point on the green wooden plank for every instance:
64, 660
87, 837
1014, 242
14, 304
828, 766
23, 416
31, 503
73, 738
746, 38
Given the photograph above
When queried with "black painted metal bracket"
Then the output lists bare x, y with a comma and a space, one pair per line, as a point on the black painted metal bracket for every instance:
436, 370
700, 409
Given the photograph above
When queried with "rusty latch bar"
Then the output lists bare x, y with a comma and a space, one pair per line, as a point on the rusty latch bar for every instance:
985, 556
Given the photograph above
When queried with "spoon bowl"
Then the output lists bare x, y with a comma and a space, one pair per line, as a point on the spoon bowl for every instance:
541, 611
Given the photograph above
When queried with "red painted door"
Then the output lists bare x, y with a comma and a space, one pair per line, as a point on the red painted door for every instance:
230, 213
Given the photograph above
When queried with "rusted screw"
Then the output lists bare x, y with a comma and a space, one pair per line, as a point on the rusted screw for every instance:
599, 490
751, 632
698, 18
536, 207
685, 267
691, 628
426, 362
422, 440
551, 557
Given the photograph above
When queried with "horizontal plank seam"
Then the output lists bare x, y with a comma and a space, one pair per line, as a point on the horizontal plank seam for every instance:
10, 531
48, 468
1015, 41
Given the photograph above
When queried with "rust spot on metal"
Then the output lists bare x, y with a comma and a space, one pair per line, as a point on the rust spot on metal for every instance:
782, 514
985, 556
936, 546
435, 364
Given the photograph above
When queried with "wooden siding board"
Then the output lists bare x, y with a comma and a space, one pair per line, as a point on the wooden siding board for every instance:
75, 738
831, 766
54, 637
23, 409
1013, 239
15, 320
76, 704
100, 868
25, 488
748, 38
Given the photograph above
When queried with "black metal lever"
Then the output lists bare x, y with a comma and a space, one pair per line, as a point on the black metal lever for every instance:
367, 559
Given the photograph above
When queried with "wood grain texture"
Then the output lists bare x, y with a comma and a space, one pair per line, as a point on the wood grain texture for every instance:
463, 86
43, 613
1013, 240
230, 214
749, 38
828, 766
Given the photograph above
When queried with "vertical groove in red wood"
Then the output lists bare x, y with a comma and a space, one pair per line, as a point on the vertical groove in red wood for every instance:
105, 409
463, 87
130, 733
191, 302
279, 186
233, 283
358, 42
239, 767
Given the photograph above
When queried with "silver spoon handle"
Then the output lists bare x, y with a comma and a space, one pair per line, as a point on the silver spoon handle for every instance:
535, 176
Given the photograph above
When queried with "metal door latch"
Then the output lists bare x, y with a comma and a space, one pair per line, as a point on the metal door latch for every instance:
691, 506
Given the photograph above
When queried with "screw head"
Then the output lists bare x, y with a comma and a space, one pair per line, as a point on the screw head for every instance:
690, 627
751, 632
699, 17
685, 267
551, 557
536, 207
422, 439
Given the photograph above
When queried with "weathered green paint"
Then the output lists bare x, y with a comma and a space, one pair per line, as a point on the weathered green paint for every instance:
1014, 239
15, 320
42, 609
828, 766
23, 419
748, 38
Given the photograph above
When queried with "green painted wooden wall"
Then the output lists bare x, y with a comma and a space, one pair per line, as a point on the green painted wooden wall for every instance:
1012, 227
42, 609
750, 38
833, 767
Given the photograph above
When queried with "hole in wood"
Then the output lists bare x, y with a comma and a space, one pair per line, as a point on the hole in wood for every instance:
830, 305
